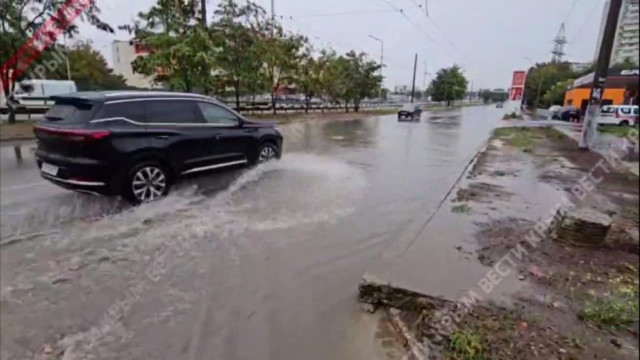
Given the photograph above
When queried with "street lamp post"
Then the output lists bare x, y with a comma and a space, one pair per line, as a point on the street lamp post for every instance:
381, 59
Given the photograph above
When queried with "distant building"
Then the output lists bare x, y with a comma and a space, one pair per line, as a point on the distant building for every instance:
580, 67
124, 53
627, 41
621, 88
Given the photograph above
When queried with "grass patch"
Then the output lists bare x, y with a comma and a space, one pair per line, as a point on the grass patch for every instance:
520, 137
616, 312
461, 209
512, 116
620, 131
466, 345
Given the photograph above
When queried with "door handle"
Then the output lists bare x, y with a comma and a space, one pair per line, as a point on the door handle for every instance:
163, 137
217, 137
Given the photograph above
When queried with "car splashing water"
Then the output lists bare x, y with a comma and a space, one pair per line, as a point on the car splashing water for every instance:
298, 189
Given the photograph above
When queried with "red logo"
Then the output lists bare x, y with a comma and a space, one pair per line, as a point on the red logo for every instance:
44, 37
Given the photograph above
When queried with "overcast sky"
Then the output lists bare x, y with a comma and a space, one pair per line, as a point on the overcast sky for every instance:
488, 38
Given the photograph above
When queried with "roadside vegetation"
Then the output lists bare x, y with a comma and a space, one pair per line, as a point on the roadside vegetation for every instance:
620, 131
461, 209
617, 311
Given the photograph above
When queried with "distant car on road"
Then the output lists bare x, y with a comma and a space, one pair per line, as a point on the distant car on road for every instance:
567, 113
410, 112
137, 144
621, 115
499, 105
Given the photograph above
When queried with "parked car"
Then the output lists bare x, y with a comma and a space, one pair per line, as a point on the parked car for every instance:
31, 91
410, 111
499, 105
567, 113
137, 144
622, 115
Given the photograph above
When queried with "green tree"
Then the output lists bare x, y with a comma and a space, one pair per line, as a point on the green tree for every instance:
88, 69
180, 49
20, 19
449, 85
542, 77
310, 74
626, 64
237, 32
486, 96
363, 79
281, 55
555, 95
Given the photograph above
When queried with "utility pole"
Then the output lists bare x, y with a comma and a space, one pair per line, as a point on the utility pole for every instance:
600, 76
203, 11
413, 85
273, 11
66, 55
381, 58
424, 80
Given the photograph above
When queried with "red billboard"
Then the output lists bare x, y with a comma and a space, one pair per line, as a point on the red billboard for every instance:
516, 94
519, 78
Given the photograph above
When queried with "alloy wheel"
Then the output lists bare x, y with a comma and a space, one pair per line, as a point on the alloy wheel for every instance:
149, 183
266, 153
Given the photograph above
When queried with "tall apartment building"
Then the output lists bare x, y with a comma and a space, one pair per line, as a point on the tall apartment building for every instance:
123, 53
627, 41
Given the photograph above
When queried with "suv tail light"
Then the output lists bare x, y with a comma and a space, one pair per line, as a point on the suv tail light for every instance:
617, 113
74, 134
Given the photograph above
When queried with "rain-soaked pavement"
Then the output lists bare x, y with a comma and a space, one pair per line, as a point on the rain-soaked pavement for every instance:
258, 263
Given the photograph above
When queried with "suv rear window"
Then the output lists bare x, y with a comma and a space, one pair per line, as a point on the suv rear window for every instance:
625, 110
69, 112
133, 111
172, 112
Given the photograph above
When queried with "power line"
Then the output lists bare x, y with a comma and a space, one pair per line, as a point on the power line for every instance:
573, 6
344, 13
409, 19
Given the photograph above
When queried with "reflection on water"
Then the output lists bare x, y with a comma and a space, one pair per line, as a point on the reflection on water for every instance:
353, 133
17, 150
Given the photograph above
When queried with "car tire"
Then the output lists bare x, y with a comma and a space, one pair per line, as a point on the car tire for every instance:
267, 151
146, 181
624, 123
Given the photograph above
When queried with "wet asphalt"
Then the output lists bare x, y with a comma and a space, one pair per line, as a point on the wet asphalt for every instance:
247, 263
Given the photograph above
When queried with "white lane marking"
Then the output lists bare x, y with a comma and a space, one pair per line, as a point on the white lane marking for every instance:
23, 186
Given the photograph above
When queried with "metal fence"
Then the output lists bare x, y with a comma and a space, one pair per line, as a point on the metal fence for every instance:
40, 105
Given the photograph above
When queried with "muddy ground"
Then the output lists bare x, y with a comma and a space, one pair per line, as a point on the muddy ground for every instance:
576, 302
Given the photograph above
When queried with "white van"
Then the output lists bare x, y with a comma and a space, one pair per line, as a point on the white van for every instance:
31, 92
623, 115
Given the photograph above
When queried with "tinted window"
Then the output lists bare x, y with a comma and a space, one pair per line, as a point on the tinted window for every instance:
625, 110
171, 112
69, 112
607, 110
214, 114
129, 110
635, 111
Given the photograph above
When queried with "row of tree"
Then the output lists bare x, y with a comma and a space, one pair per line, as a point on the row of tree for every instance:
244, 52
241, 52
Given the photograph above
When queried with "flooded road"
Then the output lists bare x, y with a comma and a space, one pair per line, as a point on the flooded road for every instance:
258, 263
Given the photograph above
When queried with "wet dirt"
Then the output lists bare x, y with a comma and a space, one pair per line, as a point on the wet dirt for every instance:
551, 314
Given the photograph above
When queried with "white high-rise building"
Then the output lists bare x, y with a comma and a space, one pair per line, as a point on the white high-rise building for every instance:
123, 54
627, 41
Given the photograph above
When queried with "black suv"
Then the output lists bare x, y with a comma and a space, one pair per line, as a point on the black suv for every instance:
136, 144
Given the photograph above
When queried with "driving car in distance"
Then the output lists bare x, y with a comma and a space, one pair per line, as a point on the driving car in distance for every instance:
137, 144
410, 112
621, 115
567, 113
